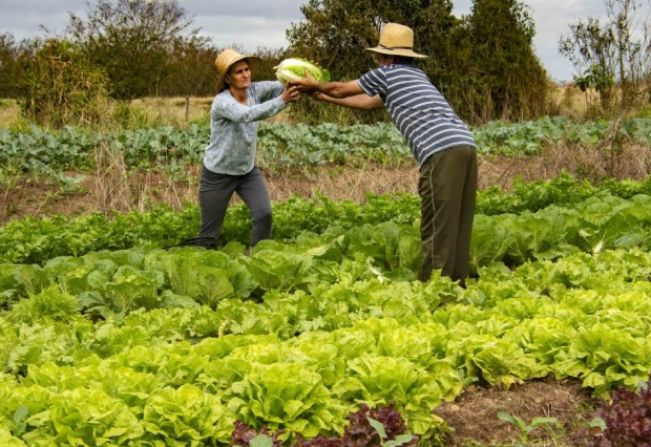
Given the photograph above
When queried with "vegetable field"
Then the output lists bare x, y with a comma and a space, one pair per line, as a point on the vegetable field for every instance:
111, 336
283, 147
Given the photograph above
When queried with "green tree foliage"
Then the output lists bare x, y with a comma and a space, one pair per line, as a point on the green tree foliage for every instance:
131, 40
191, 69
61, 86
484, 64
9, 67
511, 77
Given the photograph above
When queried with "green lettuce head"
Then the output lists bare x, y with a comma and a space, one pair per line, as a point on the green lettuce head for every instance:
295, 68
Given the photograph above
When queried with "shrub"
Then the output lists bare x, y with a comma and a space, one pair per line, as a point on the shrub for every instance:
61, 86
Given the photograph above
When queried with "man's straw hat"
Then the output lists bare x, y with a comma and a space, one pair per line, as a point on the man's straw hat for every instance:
225, 61
396, 40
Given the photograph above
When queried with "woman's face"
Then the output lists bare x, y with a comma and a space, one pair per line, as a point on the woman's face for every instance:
239, 76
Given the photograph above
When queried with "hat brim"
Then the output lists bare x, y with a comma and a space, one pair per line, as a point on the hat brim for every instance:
396, 52
253, 65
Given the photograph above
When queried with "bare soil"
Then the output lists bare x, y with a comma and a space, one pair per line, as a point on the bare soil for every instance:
473, 416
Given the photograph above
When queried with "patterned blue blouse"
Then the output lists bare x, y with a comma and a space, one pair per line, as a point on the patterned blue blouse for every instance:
234, 127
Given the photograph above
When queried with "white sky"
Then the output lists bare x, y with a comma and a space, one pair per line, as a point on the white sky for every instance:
262, 23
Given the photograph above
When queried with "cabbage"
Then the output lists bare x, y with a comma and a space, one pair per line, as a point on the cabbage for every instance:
294, 68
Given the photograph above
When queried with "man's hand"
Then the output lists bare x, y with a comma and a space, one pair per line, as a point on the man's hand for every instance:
291, 93
307, 84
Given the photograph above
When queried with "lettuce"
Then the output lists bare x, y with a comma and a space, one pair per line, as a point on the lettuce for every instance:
7, 440
187, 415
295, 68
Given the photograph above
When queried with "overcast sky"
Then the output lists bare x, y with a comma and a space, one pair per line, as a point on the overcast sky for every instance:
262, 23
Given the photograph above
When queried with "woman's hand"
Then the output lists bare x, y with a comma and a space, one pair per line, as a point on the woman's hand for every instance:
291, 93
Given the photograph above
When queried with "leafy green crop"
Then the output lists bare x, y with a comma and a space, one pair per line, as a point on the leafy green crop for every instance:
295, 68
146, 346
282, 147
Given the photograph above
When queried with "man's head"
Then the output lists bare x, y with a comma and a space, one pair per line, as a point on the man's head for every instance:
385, 59
396, 40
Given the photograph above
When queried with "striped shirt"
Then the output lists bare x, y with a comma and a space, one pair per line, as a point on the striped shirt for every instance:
421, 113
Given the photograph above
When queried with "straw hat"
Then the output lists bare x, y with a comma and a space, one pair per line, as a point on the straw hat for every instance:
226, 59
396, 40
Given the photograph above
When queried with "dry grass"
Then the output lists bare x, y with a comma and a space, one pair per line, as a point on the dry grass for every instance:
172, 110
9, 112
633, 162
610, 159
113, 188
111, 185
344, 183
150, 111
565, 100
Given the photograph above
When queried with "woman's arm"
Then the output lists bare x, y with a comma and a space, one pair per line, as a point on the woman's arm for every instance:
232, 110
239, 113
269, 89
360, 101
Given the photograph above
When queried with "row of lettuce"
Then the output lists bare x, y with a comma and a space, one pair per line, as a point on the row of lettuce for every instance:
299, 356
543, 219
283, 146
145, 346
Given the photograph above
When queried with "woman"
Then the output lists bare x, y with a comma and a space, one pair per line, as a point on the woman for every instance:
229, 160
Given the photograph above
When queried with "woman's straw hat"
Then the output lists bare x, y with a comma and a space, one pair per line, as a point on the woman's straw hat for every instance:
225, 61
396, 40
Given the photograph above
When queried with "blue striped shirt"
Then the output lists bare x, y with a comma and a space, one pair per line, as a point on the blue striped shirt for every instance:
421, 113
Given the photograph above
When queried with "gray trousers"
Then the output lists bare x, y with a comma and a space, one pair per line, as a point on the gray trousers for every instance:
215, 192
447, 187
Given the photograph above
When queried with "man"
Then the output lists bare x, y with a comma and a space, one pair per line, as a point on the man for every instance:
440, 141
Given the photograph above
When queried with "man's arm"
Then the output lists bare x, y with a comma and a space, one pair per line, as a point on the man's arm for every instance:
332, 89
359, 101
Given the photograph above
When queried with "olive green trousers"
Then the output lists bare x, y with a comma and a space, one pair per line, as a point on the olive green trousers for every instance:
447, 187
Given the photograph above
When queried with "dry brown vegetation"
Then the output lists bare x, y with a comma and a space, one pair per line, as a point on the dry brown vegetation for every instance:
111, 187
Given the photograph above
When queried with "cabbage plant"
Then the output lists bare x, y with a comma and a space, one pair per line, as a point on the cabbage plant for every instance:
295, 68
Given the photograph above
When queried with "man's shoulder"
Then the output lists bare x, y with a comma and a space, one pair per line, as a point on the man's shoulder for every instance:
410, 68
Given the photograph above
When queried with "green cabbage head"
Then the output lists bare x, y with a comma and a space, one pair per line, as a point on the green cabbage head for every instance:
294, 68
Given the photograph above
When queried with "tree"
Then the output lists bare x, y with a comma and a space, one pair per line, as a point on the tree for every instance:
61, 86
9, 67
131, 41
501, 36
335, 33
483, 64
591, 49
616, 52
192, 71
